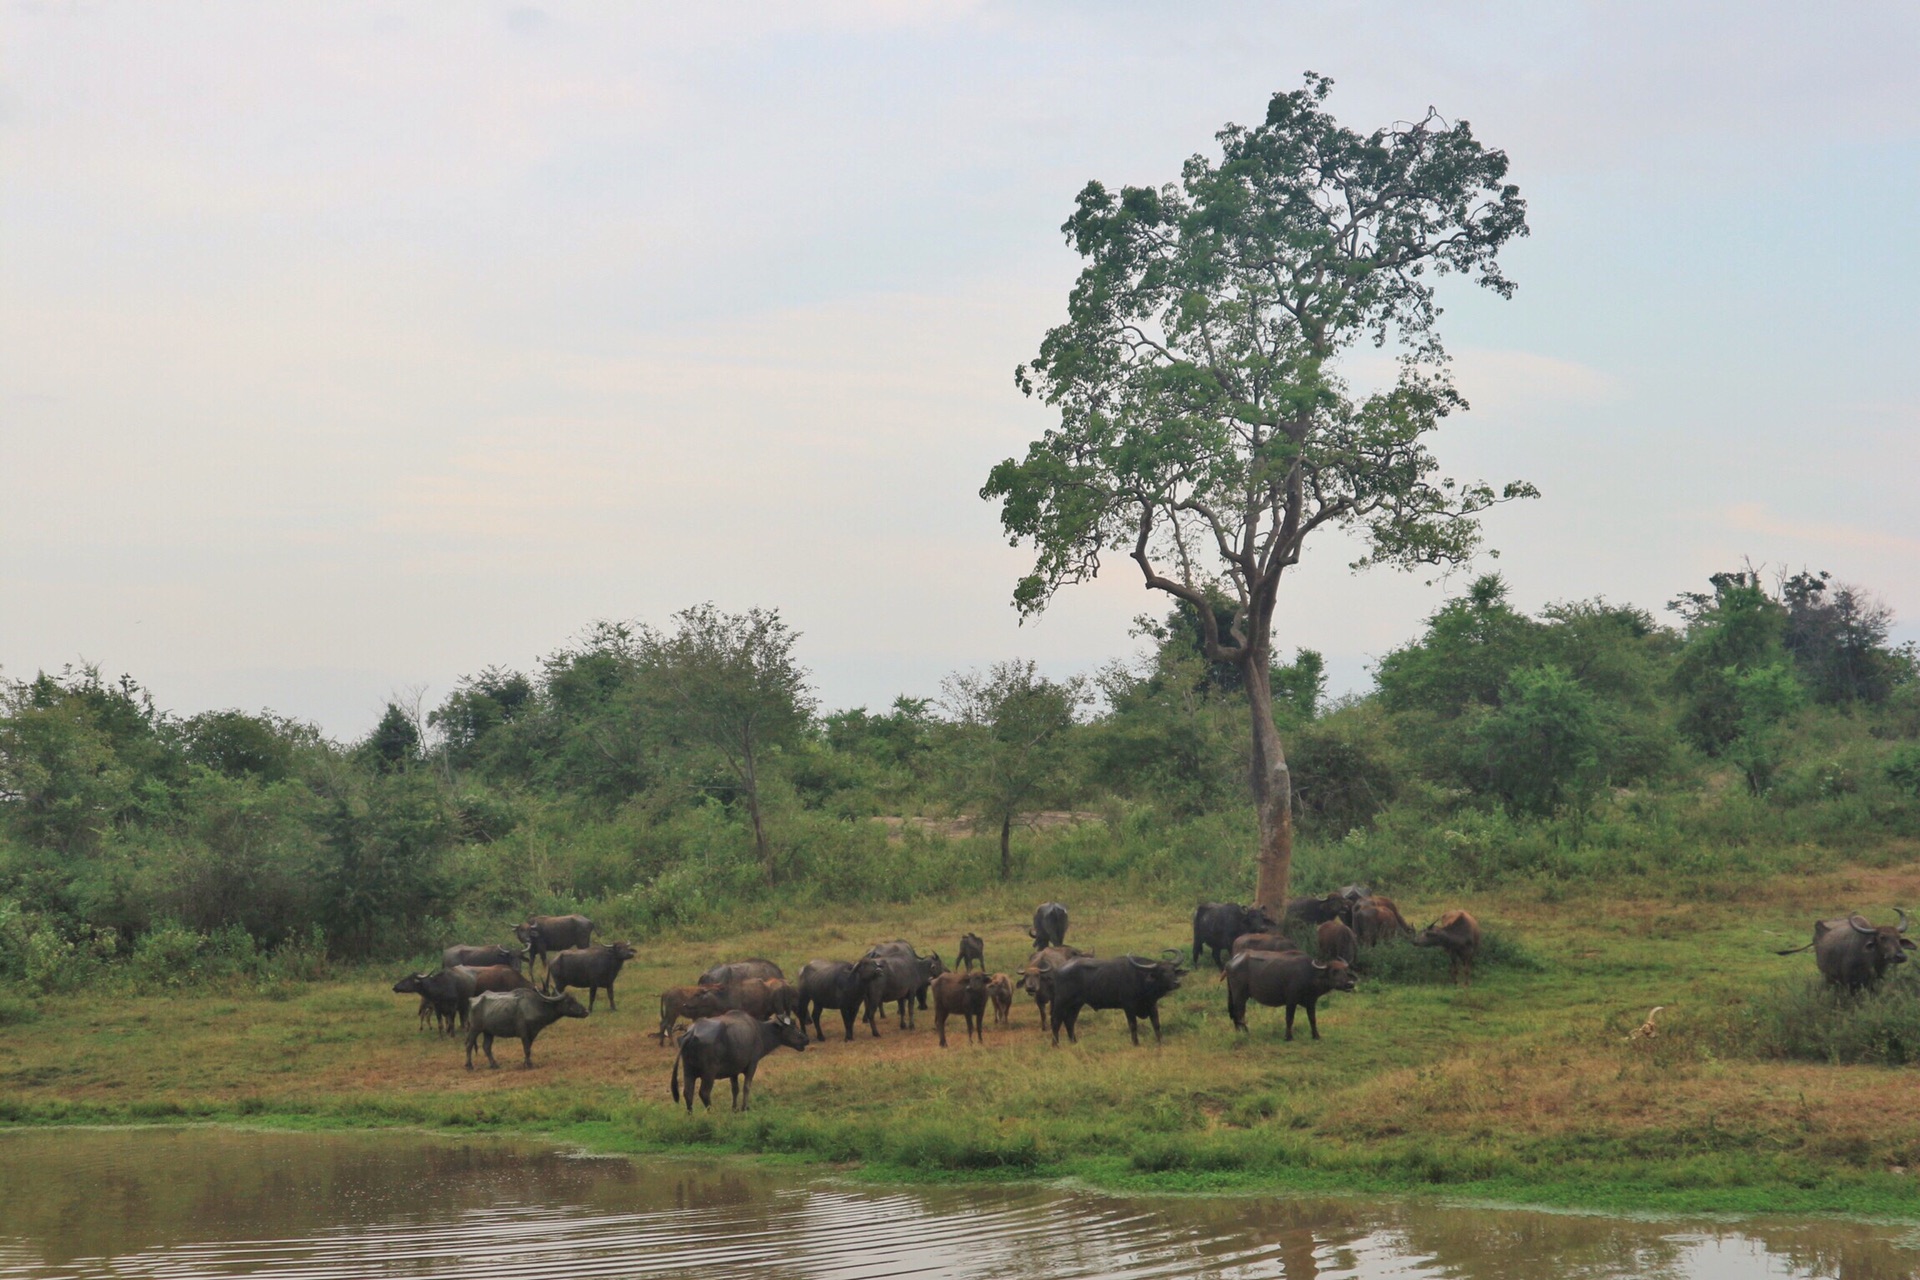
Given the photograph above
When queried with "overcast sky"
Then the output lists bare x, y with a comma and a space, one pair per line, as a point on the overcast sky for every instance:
348, 348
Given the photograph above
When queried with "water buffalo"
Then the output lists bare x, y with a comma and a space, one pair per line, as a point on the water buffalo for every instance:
898, 979
1265, 942
1334, 941
1037, 978
1217, 924
1851, 952
545, 935
730, 1045
930, 967
524, 1013
972, 951
1458, 933
1376, 919
734, 970
1127, 983
964, 994
496, 977
689, 1003
1000, 991
759, 998
1049, 928
1276, 978
593, 967
1317, 911
836, 984
481, 957
441, 994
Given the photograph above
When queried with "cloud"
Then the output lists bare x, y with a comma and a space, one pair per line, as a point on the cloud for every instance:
1753, 517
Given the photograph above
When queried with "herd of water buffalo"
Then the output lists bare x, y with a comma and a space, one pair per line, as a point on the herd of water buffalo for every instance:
740, 1011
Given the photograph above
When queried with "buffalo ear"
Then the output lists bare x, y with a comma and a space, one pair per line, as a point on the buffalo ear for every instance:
1908, 944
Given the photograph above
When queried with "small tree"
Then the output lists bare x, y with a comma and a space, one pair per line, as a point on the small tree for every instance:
1204, 429
1541, 746
726, 684
1008, 741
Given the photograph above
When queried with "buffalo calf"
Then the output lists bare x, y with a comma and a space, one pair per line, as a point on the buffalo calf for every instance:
964, 994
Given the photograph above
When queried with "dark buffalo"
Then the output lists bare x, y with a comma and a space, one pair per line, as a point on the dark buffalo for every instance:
524, 1013
1458, 934
1049, 928
930, 967
1265, 942
481, 957
898, 979
1334, 941
972, 951
734, 970
730, 1046
964, 994
759, 998
496, 977
1376, 919
1276, 978
689, 1003
1217, 924
544, 936
1317, 911
836, 984
1127, 983
1851, 952
449, 991
1037, 978
593, 967
1000, 991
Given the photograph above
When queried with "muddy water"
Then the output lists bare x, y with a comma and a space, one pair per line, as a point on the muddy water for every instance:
354, 1207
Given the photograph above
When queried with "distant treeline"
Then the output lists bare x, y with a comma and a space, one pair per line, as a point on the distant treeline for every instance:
666, 776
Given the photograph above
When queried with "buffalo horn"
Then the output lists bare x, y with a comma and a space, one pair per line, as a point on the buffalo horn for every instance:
1318, 965
1860, 924
1904, 922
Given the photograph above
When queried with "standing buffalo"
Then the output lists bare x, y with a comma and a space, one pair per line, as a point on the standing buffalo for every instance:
972, 951
1049, 927
545, 935
721, 974
593, 967
730, 1046
689, 1003
447, 993
964, 994
1335, 942
1217, 924
759, 998
930, 967
481, 957
899, 979
1000, 991
1290, 978
836, 984
1852, 953
1376, 919
1037, 978
1458, 934
1316, 911
1127, 983
496, 977
524, 1013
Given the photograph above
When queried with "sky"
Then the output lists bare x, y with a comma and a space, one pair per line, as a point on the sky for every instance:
349, 348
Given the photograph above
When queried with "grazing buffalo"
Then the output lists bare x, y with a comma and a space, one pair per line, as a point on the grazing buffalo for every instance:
1276, 978
1049, 927
496, 977
524, 1013
836, 984
733, 971
593, 967
964, 994
543, 936
1317, 911
730, 1046
1037, 978
930, 967
1458, 934
1000, 991
1334, 941
1217, 924
1264, 942
689, 1003
1377, 919
1851, 952
1128, 983
972, 951
759, 998
481, 957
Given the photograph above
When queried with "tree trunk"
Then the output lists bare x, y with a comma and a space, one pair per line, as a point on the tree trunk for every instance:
1006, 861
1272, 789
762, 849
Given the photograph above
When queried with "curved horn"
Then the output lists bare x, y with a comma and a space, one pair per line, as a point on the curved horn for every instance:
1904, 922
1860, 924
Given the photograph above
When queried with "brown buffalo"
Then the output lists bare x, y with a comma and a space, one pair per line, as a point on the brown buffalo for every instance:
734, 970
1336, 942
1377, 919
964, 994
1000, 991
496, 977
1264, 942
760, 998
689, 1003
972, 951
1458, 934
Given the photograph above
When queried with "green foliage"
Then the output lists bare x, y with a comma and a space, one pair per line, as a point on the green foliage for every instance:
1006, 746
1540, 748
1808, 1020
1903, 769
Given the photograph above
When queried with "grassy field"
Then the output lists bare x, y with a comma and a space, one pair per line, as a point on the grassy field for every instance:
1522, 1089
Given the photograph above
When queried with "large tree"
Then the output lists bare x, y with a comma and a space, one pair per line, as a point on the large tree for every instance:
1205, 429
1007, 745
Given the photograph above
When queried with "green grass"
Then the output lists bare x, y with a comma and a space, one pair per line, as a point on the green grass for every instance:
1523, 1088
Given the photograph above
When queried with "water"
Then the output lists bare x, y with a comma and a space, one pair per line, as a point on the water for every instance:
179, 1203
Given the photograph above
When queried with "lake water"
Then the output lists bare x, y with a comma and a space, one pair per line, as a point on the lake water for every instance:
205, 1202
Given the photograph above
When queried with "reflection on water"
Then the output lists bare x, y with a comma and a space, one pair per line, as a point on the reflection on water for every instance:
345, 1207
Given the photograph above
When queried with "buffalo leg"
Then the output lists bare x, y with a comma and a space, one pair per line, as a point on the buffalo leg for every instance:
706, 1093
733, 1083
610, 1008
470, 1039
746, 1088
1153, 1016
526, 1051
940, 1025
1290, 1009
1313, 1022
486, 1043
1133, 1027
